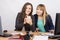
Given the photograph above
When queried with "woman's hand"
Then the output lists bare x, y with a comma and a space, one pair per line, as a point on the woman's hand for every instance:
24, 20
37, 29
51, 31
28, 20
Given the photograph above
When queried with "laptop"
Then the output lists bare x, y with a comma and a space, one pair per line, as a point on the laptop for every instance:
57, 27
1, 31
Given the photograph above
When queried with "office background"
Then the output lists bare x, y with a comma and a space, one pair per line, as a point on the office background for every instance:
10, 8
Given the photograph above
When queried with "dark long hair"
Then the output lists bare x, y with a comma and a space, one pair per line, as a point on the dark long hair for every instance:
22, 13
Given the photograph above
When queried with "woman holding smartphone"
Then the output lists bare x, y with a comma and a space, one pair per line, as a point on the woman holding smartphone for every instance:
25, 18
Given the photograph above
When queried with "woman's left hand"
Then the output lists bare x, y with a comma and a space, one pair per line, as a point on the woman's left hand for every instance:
29, 20
51, 31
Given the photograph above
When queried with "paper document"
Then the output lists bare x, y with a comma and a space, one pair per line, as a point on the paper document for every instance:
17, 33
49, 34
40, 37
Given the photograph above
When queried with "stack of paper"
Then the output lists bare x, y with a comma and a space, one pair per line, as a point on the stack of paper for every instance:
36, 37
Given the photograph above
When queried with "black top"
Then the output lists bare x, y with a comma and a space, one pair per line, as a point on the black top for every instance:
20, 24
49, 24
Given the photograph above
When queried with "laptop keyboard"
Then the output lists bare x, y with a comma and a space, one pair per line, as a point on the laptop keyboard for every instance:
55, 36
7, 35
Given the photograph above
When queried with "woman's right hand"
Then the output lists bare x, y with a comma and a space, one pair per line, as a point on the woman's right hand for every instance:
28, 20
24, 20
37, 29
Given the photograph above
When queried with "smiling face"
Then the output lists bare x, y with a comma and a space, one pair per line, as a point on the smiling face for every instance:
39, 11
28, 9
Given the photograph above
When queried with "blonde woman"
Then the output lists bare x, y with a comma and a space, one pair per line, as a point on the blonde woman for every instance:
43, 21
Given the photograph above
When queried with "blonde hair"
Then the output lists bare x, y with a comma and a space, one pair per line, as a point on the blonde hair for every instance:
42, 7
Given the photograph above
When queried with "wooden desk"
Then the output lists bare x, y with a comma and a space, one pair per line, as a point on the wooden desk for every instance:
34, 33
6, 38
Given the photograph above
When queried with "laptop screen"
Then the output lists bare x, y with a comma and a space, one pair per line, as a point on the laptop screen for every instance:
57, 24
1, 32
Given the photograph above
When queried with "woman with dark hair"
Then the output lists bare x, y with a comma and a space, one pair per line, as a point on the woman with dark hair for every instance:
25, 18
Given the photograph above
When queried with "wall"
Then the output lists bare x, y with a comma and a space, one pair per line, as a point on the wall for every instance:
10, 8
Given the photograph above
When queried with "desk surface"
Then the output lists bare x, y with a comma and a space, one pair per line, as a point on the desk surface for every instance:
34, 33
6, 38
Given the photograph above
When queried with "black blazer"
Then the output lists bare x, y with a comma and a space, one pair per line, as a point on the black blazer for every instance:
49, 24
19, 24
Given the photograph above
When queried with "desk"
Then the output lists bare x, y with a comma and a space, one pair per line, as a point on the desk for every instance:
34, 33
6, 38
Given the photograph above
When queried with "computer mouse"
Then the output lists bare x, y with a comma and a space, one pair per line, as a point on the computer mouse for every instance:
5, 31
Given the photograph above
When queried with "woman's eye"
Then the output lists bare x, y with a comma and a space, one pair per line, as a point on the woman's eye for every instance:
29, 8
